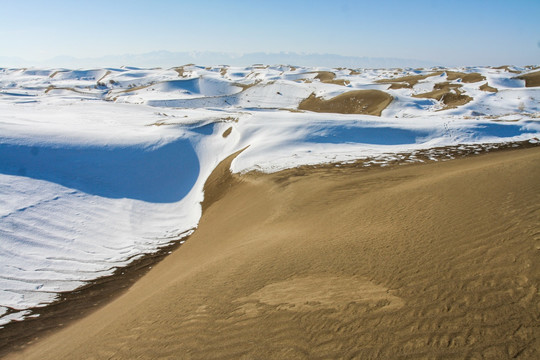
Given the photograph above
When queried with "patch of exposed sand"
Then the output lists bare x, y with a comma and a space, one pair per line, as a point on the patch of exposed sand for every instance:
326, 77
329, 77
407, 81
486, 87
404, 85
411, 80
531, 79
449, 94
419, 261
227, 132
54, 74
52, 88
507, 69
136, 88
104, 76
244, 87
465, 77
370, 102
180, 70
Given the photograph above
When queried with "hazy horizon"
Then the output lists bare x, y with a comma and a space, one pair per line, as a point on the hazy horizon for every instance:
166, 58
463, 34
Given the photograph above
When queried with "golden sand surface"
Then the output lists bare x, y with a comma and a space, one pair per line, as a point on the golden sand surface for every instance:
449, 94
437, 260
329, 77
410, 80
369, 102
465, 77
531, 79
486, 87
507, 68
407, 81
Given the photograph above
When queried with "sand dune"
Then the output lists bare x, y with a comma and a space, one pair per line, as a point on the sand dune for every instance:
325, 77
407, 81
450, 95
486, 87
370, 102
418, 261
465, 77
531, 79
410, 80
329, 77
507, 68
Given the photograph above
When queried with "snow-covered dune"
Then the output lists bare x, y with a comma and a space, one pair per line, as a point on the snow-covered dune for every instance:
101, 166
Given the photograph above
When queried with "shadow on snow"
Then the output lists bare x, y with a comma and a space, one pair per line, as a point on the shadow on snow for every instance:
161, 174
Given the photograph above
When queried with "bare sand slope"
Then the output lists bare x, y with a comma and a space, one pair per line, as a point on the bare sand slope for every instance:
450, 95
329, 77
410, 80
370, 102
486, 87
407, 81
437, 260
465, 77
531, 79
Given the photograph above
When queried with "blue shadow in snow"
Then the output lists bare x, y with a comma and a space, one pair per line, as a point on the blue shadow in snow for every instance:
191, 85
501, 130
162, 174
368, 135
17, 94
422, 103
207, 129
511, 82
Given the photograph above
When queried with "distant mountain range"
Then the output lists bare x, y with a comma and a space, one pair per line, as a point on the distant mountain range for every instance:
208, 58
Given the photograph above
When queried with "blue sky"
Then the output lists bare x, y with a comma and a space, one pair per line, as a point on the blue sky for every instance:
448, 32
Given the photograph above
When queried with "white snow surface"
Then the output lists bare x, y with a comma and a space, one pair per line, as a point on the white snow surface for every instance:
99, 167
